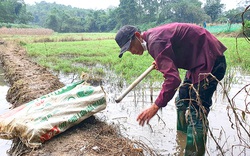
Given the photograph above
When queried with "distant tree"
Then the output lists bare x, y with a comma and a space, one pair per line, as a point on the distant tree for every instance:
14, 11
111, 19
244, 3
127, 12
90, 22
52, 22
10, 10
165, 14
142, 13
24, 17
213, 8
2, 12
101, 18
149, 10
234, 15
189, 11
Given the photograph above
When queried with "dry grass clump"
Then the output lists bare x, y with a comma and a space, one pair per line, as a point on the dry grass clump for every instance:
68, 39
25, 31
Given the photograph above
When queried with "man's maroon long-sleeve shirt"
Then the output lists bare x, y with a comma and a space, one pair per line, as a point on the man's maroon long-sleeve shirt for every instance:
181, 45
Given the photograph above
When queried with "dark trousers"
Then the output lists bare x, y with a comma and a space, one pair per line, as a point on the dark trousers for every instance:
203, 89
197, 99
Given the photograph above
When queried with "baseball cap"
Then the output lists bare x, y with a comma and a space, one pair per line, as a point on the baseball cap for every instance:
124, 36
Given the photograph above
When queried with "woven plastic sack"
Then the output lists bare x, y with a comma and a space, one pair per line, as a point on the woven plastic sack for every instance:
52, 114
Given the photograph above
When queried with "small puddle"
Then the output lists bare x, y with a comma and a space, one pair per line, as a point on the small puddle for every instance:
4, 144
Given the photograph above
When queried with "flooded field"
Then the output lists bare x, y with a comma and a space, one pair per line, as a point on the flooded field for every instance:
161, 133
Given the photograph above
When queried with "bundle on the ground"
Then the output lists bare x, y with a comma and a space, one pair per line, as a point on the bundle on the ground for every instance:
51, 114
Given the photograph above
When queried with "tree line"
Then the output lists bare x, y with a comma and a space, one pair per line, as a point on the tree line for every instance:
142, 13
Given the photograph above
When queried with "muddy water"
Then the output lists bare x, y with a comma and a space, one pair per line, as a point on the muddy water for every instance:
4, 107
161, 133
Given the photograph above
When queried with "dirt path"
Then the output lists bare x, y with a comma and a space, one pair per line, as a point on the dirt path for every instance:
28, 81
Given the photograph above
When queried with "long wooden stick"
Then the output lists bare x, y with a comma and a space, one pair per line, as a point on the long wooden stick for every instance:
138, 80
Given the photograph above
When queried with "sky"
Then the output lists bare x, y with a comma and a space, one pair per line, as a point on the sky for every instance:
104, 4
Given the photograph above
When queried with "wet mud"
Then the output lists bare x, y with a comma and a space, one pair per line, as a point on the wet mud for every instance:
28, 81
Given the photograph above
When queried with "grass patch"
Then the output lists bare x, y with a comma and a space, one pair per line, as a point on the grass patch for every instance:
237, 53
78, 56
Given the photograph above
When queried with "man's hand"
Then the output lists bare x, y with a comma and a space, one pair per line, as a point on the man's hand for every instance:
154, 63
147, 114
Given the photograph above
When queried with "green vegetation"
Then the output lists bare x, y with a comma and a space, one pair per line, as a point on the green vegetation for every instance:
246, 28
84, 55
11, 25
142, 13
237, 56
224, 28
14, 11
